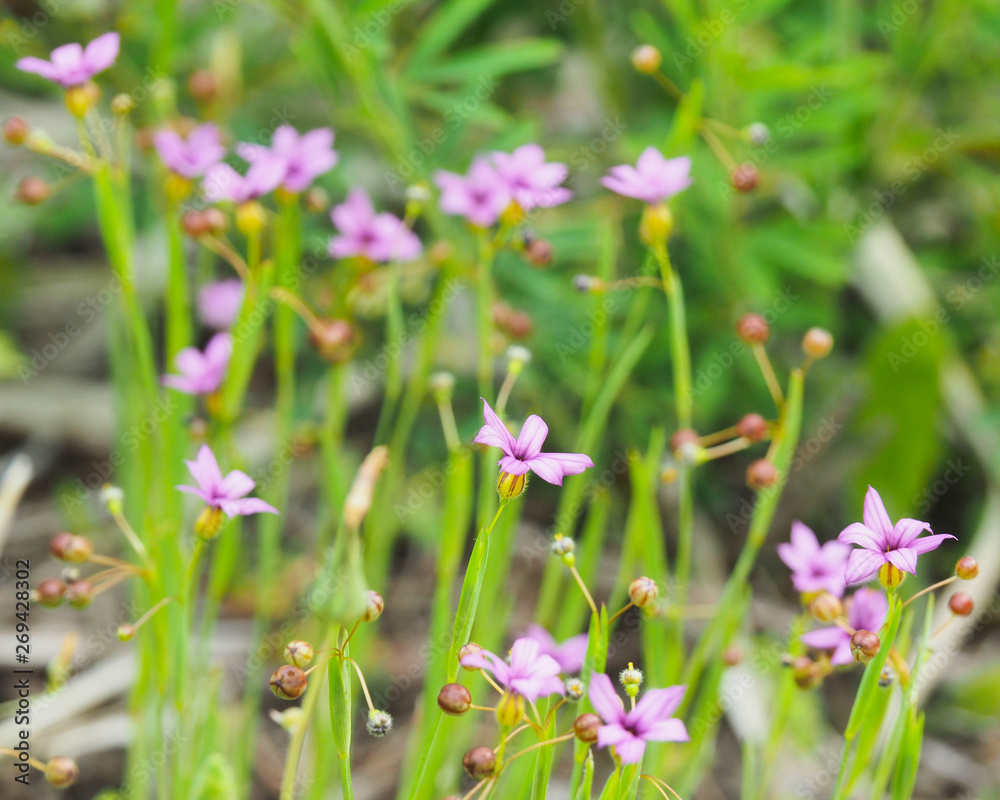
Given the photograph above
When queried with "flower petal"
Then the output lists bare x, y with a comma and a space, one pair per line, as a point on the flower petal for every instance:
205, 469
609, 735
928, 543
904, 558
861, 565
494, 432
235, 485
666, 730
803, 538
529, 442
512, 465
249, 505
653, 706
859, 534
101, 52
905, 531
196, 492
875, 515
825, 638
631, 750
605, 700
552, 467
572, 653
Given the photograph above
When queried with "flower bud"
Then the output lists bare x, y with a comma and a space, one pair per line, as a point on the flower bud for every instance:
864, 646
890, 576
753, 329
209, 523
79, 594
817, 343
32, 191
359, 498
374, 608
50, 592
575, 688
469, 649
538, 252
335, 339
825, 607
250, 218
643, 591
194, 223
565, 548
75, 549
656, 224
758, 133
454, 699
288, 682
967, 568
299, 654
753, 427
761, 474
125, 633
59, 543
510, 486
15, 130
685, 437
510, 709
586, 726
203, 86
732, 656
961, 604
61, 772
379, 723
479, 763
631, 679
806, 672
514, 323
744, 178
646, 59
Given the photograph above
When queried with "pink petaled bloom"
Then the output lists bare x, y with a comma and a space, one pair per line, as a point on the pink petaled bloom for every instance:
532, 182
481, 196
653, 178
866, 611
72, 64
219, 303
650, 721
222, 182
882, 542
525, 452
378, 237
815, 568
229, 493
569, 655
201, 373
193, 156
530, 673
303, 157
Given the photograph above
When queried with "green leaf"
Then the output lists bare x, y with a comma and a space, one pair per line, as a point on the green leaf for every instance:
873, 671
487, 63
445, 27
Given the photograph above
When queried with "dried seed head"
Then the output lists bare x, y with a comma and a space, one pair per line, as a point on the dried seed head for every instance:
885, 678
479, 763
565, 548
817, 343
586, 726
744, 178
961, 604
61, 772
631, 679
32, 191
646, 59
510, 709
643, 591
375, 606
359, 499
761, 474
15, 130
967, 568
79, 594
753, 427
379, 723
588, 283
538, 252
469, 649
825, 607
454, 699
122, 105
575, 688
299, 653
288, 682
510, 486
113, 499
864, 646
418, 192
753, 329
203, 86
890, 576
758, 133
50, 591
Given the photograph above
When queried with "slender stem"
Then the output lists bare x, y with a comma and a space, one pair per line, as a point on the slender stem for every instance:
931, 588
226, 252
621, 611
448, 424
730, 447
565, 737
142, 620
364, 686
586, 592
40, 765
491, 682
769, 377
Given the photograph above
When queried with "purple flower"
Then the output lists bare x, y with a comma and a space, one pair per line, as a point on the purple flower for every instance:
301, 157
193, 156
882, 542
73, 64
481, 196
653, 178
526, 452
219, 303
866, 611
229, 493
201, 373
530, 673
377, 237
569, 655
531, 181
815, 568
650, 721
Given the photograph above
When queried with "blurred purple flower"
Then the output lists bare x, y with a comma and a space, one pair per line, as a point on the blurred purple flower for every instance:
525, 452
378, 237
530, 673
201, 373
193, 156
569, 655
222, 182
815, 568
653, 178
866, 611
481, 196
219, 303
72, 64
229, 493
532, 182
301, 157
650, 721
882, 542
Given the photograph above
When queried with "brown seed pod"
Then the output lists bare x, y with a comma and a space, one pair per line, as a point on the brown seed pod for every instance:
585, 727
454, 699
761, 474
288, 682
752, 426
753, 329
961, 604
480, 763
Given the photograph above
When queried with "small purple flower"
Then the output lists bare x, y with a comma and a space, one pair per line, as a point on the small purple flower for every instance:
377, 237
222, 182
653, 178
302, 157
882, 542
229, 493
201, 373
532, 182
866, 611
481, 196
72, 64
530, 673
815, 568
525, 452
650, 721
569, 655
219, 303
193, 156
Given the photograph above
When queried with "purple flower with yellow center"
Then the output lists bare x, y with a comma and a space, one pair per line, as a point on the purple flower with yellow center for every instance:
301, 157
650, 721
653, 178
219, 303
815, 568
73, 64
481, 196
223, 495
569, 655
201, 372
191, 156
866, 611
532, 182
377, 237
530, 673
886, 549
525, 453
